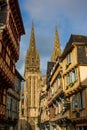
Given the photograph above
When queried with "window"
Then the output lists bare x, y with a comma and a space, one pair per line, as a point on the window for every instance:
83, 99
56, 110
68, 79
8, 102
68, 58
59, 81
52, 89
59, 108
71, 77
73, 102
74, 75
78, 100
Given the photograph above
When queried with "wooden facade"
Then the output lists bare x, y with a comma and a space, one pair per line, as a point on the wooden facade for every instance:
11, 29
12, 102
67, 92
44, 113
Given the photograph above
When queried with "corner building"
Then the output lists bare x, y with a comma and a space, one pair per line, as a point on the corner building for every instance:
11, 30
31, 86
67, 90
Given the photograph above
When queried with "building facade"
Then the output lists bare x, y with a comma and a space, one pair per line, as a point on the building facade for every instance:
74, 62
32, 84
12, 103
44, 112
50, 86
11, 29
67, 87
21, 122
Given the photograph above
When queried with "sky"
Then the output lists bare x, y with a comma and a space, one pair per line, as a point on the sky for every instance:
70, 16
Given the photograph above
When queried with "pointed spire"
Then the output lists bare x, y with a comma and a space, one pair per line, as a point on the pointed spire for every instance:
32, 61
32, 39
57, 49
57, 42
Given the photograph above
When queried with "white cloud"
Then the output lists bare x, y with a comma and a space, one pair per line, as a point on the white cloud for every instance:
49, 9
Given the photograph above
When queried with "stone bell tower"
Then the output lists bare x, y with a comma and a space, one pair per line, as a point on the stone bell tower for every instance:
32, 83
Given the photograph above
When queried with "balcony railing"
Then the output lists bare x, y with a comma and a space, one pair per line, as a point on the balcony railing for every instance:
75, 88
65, 115
57, 93
61, 116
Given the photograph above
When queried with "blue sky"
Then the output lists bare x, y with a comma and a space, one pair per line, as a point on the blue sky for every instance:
69, 15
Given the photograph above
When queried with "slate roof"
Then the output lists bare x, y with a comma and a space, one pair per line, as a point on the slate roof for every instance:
73, 38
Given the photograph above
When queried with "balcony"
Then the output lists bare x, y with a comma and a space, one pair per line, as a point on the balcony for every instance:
61, 117
60, 90
6, 75
75, 88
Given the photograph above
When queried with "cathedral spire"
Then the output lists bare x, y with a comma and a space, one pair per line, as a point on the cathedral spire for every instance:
32, 84
57, 49
32, 39
32, 61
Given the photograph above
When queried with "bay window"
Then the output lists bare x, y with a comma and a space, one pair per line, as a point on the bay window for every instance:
78, 100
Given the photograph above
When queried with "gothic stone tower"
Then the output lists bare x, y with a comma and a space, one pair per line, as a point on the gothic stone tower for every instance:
57, 49
32, 83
